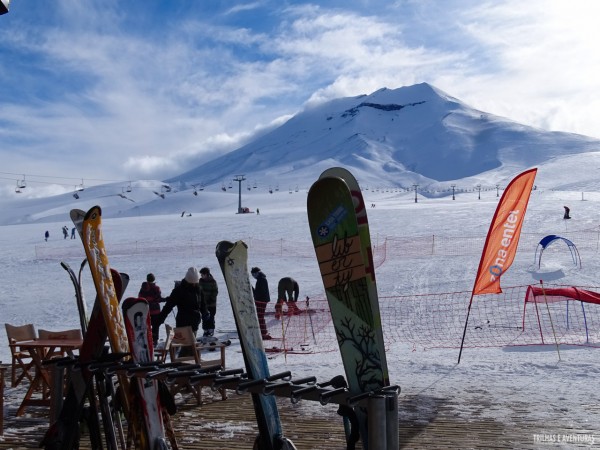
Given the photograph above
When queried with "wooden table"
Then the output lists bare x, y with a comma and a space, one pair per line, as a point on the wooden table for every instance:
38, 349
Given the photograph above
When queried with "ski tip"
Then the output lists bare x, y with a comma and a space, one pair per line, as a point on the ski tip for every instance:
93, 212
224, 248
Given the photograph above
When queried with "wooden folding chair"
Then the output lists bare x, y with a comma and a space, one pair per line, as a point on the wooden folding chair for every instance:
184, 339
160, 353
21, 359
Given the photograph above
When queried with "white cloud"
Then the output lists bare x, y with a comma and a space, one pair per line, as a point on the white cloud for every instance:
96, 93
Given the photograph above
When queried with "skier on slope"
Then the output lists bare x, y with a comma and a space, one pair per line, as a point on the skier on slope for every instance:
209, 289
261, 298
151, 292
287, 292
186, 296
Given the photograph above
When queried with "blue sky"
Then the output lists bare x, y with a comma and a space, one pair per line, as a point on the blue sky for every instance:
100, 90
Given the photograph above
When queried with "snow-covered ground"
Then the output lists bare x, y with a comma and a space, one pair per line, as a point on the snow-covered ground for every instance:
35, 289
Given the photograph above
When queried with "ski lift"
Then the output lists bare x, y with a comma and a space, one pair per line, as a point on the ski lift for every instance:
129, 187
254, 186
296, 188
248, 187
230, 185
277, 187
75, 194
22, 184
18, 188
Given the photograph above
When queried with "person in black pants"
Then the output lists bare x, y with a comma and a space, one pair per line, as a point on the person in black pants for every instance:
261, 298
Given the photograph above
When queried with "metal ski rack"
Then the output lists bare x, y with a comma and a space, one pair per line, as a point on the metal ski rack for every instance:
381, 404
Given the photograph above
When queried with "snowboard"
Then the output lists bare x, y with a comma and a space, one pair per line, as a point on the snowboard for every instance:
342, 248
145, 398
233, 260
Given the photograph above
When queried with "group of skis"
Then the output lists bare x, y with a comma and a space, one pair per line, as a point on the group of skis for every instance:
340, 233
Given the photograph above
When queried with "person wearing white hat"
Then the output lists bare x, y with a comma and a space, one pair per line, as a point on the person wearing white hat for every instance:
187, 297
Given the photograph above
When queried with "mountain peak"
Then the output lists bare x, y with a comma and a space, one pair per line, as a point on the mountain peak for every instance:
398, 137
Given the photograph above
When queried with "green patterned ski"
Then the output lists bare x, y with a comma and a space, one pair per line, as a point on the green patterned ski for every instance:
341, 247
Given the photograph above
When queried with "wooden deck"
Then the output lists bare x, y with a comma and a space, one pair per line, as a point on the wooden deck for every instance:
433, 424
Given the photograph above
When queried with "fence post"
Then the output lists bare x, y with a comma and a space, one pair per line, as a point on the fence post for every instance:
433, 245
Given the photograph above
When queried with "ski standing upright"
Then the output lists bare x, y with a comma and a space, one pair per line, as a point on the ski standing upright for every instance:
233, 259
340, 234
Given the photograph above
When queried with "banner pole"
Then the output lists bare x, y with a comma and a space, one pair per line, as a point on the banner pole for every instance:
465, 330
550, 317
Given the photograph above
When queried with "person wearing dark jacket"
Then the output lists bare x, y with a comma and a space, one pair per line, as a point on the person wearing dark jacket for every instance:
209, 289
287, 292
151, 292
186, 296
261, 298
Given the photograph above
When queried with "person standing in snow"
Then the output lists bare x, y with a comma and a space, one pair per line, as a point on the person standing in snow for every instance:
261, 297
567, 211
151, 292
209, 289
287, 292
46, 235
186, 296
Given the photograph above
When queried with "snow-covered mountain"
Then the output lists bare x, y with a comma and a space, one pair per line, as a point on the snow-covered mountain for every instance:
394, 138
390, 139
